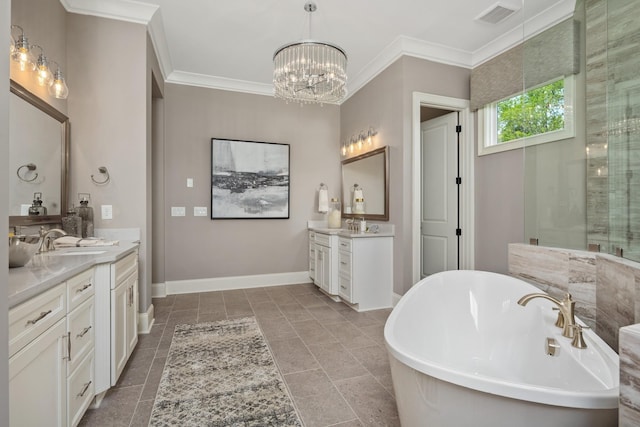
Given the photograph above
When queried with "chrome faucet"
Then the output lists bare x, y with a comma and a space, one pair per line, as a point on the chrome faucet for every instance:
566, 317
46, 244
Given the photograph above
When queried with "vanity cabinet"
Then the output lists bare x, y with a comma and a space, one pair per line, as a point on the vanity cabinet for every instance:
116, 311
124, 304
365, 271
51, 354
323, 248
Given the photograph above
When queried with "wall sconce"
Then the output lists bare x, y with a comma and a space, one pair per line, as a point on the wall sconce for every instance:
358, 142
30, 168
103, 170
21, 52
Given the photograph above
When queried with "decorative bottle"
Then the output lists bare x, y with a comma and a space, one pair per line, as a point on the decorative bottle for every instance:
36, 208
86, 213
335, 214
72, 223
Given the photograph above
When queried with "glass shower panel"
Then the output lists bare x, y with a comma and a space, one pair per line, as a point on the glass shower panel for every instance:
555, 172
623, 126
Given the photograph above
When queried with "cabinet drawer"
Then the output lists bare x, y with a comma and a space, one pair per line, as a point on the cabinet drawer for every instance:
81, 327
344, 263
345, 289
33, 317
312, 236
124, 267
79, 288
80, 390
344, 244
323, 239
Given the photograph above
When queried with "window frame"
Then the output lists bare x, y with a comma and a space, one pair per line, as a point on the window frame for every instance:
488, 124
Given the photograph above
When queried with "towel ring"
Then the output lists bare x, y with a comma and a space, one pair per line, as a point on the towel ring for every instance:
30, 167
103, 170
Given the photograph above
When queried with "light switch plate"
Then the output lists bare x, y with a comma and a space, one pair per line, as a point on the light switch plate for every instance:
199, 211
190, 182
107, 211
178, 211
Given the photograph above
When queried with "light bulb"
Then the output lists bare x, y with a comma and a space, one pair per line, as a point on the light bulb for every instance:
22, 55
43, 73
344, 150
59, 88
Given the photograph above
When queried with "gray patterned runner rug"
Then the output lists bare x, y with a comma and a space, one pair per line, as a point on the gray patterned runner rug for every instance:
221, 374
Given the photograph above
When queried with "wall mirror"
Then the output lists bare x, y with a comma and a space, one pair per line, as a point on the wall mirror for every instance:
365, 185
39, 140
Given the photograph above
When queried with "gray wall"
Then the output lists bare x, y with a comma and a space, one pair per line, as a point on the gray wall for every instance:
499, 208
198, 247
5, 13
111, 68
386, 104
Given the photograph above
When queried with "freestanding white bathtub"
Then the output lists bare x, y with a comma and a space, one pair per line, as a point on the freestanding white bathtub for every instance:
464, 353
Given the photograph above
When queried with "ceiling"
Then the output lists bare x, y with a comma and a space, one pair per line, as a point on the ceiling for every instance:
230, 44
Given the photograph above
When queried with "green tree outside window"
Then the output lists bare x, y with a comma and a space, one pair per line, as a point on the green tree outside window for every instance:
531, 113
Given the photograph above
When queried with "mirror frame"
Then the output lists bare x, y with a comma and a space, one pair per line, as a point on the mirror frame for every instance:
373, 217
65, 140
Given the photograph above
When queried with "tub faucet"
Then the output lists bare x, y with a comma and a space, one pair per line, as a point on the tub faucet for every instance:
46, 243
566, 318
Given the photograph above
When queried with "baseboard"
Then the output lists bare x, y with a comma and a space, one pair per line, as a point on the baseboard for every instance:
158, 290
146, 320
174, 287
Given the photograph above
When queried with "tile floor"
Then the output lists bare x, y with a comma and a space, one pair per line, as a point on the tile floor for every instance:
332, 358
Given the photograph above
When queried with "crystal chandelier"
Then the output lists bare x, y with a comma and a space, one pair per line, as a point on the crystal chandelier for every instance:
310, 71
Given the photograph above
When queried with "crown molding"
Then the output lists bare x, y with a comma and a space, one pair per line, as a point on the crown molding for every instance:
222, 83
533, 26
150, 15
129, 11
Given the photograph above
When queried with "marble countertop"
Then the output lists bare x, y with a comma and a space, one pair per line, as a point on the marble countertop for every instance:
49, 269
343, 232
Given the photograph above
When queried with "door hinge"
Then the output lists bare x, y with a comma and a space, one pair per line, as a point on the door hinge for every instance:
458, 180
458, 128
458, 232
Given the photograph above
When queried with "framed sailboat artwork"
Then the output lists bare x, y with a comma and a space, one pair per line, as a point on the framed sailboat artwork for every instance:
249, 180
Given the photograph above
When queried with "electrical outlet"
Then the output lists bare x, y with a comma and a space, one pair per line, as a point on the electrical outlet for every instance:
178, 211
199, 211
107, 211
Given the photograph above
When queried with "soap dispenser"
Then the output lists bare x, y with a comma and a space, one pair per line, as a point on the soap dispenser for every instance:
36, 208
86, 213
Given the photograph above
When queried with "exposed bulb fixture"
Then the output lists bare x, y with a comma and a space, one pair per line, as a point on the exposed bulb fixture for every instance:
44, 77
310, 71
357, 142
58, 86
22, 52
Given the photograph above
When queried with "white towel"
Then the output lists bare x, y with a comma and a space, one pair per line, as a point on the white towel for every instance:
323, 200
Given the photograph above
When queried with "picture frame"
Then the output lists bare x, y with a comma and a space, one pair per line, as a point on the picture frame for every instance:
249, 179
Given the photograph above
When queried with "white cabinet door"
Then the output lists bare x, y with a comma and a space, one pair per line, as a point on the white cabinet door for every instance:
119, 339
38, 380
132, 311
124, 326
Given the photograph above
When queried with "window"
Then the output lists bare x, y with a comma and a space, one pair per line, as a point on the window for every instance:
541, 114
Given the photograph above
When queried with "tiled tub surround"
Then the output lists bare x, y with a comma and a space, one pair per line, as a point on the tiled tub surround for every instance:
629, 376
604, 287
607, 291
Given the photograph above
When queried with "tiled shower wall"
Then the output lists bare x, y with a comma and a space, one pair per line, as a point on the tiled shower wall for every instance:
607, 294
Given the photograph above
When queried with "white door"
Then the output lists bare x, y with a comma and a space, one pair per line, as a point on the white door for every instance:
439, 200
